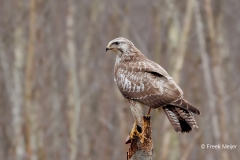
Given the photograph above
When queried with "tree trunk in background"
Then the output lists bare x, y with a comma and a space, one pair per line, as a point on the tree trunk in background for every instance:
56, 113
207, 78
176, 72
219, 74
183, 41
6, 71
31, 121
216, 54
95, 12
180, 59
6, 140
157, 31
74, 100
17, 92
56, 124
157, 45
89, 39
168, 134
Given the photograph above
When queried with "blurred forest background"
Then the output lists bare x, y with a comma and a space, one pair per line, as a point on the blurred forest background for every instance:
58, 100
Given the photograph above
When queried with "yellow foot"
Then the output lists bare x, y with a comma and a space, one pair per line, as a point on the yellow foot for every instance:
136, 132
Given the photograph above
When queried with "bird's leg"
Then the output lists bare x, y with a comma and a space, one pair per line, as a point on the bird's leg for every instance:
149, 111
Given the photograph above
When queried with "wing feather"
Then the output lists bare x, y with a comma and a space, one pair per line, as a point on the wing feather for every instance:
148, 83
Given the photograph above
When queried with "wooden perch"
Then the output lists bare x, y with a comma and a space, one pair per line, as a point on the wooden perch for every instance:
138, 150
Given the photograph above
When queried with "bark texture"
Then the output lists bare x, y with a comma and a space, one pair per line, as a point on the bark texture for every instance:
74, 100
138, 150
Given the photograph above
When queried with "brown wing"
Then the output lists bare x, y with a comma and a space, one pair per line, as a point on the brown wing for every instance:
148, 83
145, 65
182, 103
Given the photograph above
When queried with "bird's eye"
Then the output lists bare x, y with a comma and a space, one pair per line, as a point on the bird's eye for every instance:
116, 43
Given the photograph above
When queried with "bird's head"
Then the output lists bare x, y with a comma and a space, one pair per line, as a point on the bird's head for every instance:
120, 45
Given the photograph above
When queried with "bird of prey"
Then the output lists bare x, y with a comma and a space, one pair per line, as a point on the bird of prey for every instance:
145, 83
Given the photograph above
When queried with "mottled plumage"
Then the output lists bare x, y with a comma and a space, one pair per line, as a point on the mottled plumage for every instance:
144, 82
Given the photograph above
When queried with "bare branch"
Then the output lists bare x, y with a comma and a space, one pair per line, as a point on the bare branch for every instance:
183, 41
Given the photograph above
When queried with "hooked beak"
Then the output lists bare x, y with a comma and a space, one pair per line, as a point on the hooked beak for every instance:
107, 49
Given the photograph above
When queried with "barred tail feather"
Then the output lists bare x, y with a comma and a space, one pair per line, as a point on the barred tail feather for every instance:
188, 117
181, 120
173, 119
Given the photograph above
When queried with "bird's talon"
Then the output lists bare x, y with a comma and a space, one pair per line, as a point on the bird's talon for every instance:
147, 117
137, 132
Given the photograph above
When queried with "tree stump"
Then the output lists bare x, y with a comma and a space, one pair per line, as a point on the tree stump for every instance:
138, 150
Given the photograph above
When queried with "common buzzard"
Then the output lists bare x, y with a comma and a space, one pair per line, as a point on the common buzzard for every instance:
144, 82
